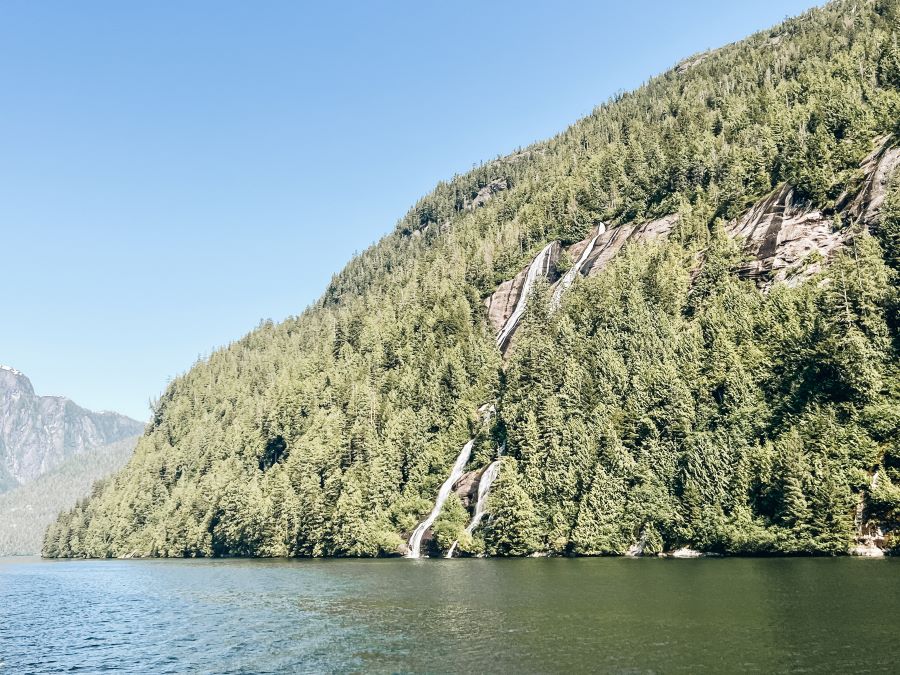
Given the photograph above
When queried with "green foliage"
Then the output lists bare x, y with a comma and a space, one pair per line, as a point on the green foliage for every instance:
513, 525
667, 401
26, 511
729, 420
451, 524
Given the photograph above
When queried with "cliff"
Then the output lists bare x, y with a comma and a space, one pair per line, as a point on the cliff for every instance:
38, 433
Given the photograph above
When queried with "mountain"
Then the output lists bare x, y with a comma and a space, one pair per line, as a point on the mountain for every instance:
38, 433
674, 327
26, 511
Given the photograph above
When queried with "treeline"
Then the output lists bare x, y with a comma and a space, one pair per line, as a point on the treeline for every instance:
667, 402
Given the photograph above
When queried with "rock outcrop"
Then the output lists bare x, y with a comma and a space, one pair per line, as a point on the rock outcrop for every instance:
780, 234
877, 170
788, 240
502, 303
38, 433
614, 239
466, 488
487, 193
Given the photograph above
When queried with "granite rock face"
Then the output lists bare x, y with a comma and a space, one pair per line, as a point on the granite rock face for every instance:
780, 234
38, 433
877, 170
614, 239
502, 303
788, 239
487, 193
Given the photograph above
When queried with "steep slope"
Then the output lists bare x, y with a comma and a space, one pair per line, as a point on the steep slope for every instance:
38, 433
674, 393
26, 511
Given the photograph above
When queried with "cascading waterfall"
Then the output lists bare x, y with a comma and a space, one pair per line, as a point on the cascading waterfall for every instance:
861, 506
569, 276
637, 549
415, 541
484, 489
537, 266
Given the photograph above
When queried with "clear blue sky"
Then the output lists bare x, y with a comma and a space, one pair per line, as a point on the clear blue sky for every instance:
173, 172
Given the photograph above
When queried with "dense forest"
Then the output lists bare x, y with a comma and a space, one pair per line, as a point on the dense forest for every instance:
669, 401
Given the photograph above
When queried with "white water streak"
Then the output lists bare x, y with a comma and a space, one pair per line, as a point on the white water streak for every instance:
861, 505
569, 276
484, 490
534, 269
415, 541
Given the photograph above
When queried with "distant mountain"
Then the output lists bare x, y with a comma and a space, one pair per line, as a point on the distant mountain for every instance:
26, 511
39, 433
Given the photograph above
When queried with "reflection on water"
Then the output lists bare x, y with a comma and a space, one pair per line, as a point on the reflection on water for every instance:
541, 615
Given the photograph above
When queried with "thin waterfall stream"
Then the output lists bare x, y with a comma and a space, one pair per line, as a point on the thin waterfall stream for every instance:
534, 269
415, 541
484, 490
539, 266
569, 276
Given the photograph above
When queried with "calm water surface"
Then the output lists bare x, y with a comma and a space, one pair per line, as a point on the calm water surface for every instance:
607, 615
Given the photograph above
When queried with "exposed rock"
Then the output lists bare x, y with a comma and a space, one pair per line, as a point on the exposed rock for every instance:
636, 550
869, 550
685, 552
466, 488
502, 303
579, 252
877, 169
612, 241
487, 193
37, 433
692, 62
780, 232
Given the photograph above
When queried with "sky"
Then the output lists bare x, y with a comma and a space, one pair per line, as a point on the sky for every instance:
172, 172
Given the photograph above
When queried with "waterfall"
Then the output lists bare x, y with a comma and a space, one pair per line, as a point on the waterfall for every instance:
569, 277
484, 489
537, 267
861, 505
637, 549
415, 541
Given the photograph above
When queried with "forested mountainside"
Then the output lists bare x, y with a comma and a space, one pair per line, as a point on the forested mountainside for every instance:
26, 511
38, 433
707, 358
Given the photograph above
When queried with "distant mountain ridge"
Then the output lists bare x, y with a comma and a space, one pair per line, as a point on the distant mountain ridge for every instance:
38, 433
26, 511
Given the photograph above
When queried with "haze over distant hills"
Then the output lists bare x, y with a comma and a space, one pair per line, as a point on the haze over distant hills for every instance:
26, 511
51, 452
38, 433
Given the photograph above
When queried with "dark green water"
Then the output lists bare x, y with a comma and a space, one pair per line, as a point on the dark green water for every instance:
536, 615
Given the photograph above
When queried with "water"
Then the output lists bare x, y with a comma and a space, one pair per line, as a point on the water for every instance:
533, 615
575, 270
